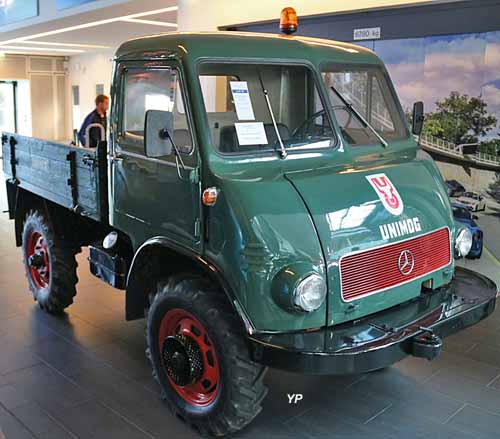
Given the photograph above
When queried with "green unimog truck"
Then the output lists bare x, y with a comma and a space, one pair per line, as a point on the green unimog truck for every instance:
260, 200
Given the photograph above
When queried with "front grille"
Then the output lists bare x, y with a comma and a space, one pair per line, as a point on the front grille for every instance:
373, 271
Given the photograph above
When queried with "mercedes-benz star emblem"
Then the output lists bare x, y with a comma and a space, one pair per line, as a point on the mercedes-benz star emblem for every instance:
406, 262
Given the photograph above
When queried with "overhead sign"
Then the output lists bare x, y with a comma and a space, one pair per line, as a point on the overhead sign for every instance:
65, 4
17, 10
369, 33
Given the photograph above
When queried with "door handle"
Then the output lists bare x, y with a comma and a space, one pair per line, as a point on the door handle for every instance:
117, 158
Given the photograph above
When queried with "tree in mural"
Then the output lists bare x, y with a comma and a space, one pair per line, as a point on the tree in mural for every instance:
460, 119
491, 146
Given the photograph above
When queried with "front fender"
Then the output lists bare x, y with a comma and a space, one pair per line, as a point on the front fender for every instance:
257, 230
159, 258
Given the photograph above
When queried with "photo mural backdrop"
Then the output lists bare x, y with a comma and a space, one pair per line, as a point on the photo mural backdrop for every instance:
457, 77
65, 4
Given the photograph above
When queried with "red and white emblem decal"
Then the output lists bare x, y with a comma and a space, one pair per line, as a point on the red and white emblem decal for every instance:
387, 193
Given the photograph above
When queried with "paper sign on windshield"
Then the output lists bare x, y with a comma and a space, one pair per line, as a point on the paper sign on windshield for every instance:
251, 133
242, 101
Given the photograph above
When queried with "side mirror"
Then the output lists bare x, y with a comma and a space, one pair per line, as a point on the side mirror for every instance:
418, 118
158, 129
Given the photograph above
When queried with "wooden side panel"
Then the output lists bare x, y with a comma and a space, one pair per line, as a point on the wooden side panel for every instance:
44, 168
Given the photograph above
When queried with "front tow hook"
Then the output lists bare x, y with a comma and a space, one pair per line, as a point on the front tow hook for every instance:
426, 345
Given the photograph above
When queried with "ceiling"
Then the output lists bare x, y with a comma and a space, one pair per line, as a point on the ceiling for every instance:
94, 30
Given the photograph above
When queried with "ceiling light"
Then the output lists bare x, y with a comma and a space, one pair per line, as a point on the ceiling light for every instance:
42, 49
88, 25
152, 22
2, 55
88, 46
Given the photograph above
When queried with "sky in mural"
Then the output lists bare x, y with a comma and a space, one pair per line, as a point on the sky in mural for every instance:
429, 69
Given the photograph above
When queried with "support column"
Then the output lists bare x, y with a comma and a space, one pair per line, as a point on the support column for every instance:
197, 15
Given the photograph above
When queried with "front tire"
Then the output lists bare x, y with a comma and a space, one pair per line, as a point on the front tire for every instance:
200, 359
50, 264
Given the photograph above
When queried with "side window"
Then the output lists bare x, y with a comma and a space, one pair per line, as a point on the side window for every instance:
145, 90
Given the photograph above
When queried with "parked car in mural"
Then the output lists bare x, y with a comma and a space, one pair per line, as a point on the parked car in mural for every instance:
462, 214
473, 201
455, 189
262, 204
494, 193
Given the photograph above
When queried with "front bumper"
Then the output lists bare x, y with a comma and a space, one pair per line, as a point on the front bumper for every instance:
377, 341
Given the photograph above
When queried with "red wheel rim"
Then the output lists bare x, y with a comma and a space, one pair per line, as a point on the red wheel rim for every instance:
38, 260
205, 389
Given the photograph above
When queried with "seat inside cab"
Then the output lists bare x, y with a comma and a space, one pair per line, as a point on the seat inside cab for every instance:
292, 95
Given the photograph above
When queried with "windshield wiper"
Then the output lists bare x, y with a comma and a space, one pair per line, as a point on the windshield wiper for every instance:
353, 110
268, 102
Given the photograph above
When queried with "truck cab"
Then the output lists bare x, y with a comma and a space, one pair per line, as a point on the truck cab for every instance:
262, 201
301, 185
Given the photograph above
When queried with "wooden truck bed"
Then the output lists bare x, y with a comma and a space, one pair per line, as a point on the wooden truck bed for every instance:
70, 176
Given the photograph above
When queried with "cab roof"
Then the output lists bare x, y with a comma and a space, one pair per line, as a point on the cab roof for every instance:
199, 45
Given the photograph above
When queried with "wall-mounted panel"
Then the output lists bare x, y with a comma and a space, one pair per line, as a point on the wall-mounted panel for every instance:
13, 67
43, 106
12, 11
41, 64
65, 4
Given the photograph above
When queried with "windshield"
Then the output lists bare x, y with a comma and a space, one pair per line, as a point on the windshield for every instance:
367, 90
252, 108
461, 213
471, 195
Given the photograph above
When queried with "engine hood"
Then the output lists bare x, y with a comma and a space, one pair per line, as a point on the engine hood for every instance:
359, 209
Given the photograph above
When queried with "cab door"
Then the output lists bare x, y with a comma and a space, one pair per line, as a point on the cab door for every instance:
153, 196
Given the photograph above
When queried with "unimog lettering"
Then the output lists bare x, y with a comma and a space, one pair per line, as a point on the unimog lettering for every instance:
399, 229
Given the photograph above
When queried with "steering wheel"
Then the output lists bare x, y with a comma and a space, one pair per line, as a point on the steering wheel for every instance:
302, 127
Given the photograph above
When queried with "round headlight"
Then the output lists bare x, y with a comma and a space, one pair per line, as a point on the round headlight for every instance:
463, 243
310, 293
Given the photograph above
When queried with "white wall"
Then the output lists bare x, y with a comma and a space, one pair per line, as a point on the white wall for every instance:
194, 15
87, 71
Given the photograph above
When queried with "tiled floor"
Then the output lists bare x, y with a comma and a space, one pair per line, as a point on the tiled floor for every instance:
85, 376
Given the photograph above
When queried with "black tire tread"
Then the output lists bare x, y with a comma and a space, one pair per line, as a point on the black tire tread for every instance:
248, 388
63, 267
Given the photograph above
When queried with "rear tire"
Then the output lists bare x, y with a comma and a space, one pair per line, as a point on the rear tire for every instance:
50, 264
200, 359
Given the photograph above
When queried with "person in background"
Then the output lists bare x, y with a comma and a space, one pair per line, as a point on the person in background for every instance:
99, 115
